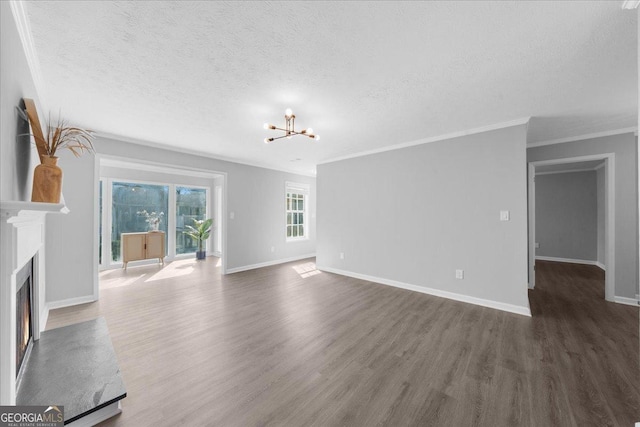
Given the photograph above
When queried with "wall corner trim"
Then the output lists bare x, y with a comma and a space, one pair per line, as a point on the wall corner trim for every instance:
496, 126
521, 310
613, 132
269, 263
24, 31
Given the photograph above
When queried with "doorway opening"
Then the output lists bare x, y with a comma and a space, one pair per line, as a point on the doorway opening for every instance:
573, 235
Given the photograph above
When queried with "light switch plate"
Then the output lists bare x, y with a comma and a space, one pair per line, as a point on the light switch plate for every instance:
459, 274
504, 215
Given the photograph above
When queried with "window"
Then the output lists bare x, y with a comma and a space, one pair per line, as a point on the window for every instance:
122, 203
191, 204
127, 200
296, 211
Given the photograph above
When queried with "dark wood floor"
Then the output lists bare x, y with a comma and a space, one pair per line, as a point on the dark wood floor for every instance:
287, 345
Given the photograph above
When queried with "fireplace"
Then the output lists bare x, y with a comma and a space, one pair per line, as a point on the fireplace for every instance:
23, 311
24, 304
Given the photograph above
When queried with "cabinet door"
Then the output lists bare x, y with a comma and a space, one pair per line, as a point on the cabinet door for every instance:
155, 245
133, 247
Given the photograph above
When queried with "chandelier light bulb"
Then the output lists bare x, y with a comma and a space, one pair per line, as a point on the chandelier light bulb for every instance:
289, 129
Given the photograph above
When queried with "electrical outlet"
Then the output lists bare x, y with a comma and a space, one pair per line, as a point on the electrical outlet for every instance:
537, 245
459, 274
341, 255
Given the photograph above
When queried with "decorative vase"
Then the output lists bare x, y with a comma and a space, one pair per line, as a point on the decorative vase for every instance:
47, 181
153, 226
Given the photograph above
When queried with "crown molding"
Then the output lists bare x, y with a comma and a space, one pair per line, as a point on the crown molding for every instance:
496, 126
630, 4
174, 149
582, 137
24, 31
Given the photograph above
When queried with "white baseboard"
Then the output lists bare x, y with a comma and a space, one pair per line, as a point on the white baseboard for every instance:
268, 263
570, 260
52, 305
524, 311
627, 301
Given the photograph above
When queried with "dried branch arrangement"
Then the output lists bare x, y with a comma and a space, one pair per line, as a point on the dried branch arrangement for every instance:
61, 135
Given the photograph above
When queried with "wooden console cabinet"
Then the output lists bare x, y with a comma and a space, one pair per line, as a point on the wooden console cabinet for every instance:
137, 246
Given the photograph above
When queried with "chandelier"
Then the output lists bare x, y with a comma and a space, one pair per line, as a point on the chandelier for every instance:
289, 128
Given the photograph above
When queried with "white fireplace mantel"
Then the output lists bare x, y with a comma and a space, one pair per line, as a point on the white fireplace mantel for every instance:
22, 233
15, 208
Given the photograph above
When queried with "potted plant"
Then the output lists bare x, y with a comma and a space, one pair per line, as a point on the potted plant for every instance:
200, 233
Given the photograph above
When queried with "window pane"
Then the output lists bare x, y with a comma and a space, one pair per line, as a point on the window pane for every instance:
289, 219
301, 204
301, 232
295, 218
300, 218
191, 204
127, 200
288, 203
289, 231
295, 231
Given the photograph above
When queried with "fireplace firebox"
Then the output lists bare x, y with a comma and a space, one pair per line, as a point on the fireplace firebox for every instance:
24, 327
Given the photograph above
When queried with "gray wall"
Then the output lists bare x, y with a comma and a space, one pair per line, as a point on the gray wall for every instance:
600, 189
417, 214
567, 215
626, 198
255, 195
17, 155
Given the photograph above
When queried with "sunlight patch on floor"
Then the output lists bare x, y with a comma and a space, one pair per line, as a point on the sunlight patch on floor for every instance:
307, 269
118, 281
175, 269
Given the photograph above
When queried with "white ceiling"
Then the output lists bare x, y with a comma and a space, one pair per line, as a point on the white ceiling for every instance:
205, 76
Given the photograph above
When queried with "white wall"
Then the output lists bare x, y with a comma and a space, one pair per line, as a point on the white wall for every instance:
626, 198
18, 157
417, 214
567, 215
255, 195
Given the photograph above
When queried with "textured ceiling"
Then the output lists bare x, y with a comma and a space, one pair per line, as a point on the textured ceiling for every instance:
205, 76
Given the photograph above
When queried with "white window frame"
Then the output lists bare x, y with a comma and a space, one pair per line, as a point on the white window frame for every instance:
297, 188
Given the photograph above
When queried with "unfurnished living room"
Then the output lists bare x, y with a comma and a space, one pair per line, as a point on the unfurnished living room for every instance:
319, 213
